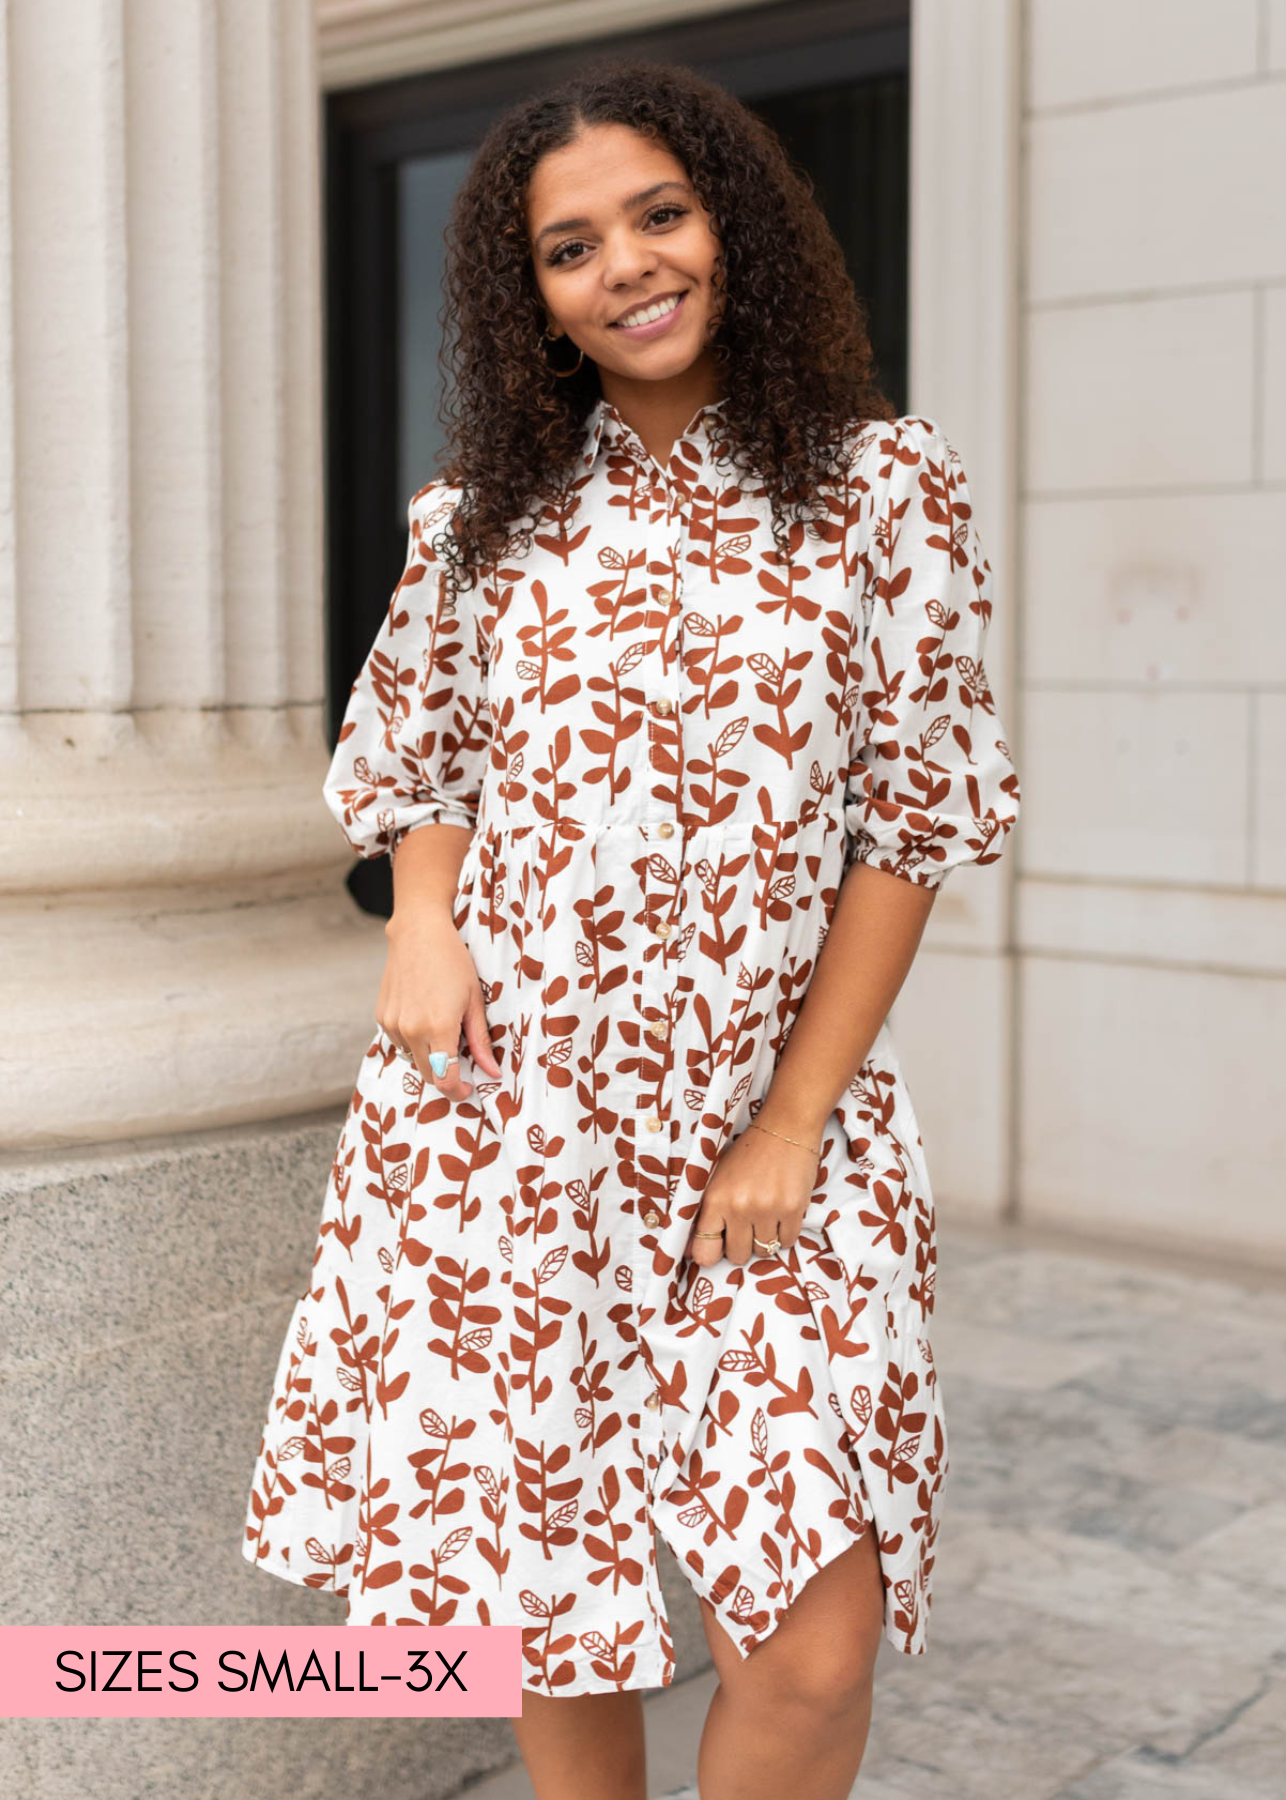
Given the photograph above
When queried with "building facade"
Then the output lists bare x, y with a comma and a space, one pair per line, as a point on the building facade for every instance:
1096, 313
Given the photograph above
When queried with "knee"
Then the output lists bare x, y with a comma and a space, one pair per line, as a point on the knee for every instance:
828, 1681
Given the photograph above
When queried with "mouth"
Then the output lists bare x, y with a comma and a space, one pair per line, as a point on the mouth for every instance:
652, 318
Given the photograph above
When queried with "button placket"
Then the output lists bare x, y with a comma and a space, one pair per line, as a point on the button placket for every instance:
662, 706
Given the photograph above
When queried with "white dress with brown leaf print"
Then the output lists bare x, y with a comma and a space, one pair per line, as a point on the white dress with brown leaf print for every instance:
505, 1372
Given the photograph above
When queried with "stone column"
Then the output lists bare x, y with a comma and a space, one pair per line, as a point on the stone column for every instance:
177, 947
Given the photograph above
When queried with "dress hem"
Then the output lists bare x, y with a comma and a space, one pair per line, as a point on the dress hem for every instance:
765, 1578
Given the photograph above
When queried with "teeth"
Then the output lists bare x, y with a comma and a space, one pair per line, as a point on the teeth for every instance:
647, 313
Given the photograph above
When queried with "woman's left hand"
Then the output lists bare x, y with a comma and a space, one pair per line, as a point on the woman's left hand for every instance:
760, 1187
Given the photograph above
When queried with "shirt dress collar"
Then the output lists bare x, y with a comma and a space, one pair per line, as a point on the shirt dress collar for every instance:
606, 430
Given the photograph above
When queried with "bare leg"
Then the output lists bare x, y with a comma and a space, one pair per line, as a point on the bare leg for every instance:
584, 1746
792, 1717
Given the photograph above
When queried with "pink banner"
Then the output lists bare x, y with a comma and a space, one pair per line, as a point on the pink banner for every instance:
260, 1671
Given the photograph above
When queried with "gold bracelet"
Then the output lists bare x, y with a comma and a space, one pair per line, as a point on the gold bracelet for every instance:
756, 1126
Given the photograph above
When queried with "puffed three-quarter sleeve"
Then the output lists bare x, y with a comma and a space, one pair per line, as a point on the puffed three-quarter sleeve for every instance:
416, 733
931, 784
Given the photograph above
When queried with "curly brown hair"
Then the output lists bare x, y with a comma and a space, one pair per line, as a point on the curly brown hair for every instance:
793, 327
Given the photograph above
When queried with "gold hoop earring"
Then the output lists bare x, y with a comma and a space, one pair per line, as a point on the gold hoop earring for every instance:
561, 373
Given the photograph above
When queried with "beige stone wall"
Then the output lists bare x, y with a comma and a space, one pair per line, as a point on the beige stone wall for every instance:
1152, 893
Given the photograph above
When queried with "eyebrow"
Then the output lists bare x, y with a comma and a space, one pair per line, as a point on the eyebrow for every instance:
629, 203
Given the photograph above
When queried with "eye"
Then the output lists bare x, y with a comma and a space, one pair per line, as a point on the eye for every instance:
559, 255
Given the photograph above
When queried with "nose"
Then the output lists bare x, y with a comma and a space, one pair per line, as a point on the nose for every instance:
626, 261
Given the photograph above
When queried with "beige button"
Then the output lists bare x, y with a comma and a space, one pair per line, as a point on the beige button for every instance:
654, 1123
652, 1402
651, 1218
659, 1028
665, 829
663, 705
662, 930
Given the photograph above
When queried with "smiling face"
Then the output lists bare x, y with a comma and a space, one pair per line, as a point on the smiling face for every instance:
625, 260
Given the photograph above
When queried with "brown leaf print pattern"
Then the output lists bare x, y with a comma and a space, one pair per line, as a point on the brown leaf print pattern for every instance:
505, 1375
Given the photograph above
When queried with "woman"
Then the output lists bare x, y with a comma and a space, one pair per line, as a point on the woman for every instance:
676, 724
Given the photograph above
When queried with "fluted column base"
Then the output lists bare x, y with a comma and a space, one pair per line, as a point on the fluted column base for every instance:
177, 947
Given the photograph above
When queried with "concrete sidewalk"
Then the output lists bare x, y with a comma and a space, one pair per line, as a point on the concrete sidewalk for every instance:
1109, 1613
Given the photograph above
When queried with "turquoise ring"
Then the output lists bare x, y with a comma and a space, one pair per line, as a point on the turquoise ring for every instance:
438, 1060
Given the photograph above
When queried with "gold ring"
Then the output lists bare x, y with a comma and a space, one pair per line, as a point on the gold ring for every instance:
770, 1248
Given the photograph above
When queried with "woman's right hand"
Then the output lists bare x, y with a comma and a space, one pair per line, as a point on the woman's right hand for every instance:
430, 995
